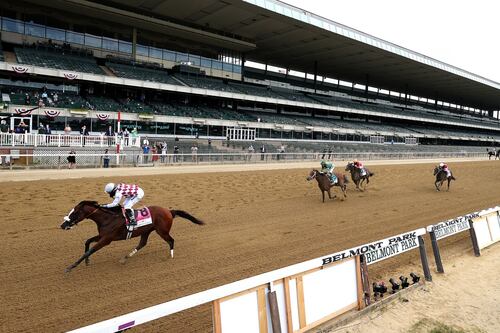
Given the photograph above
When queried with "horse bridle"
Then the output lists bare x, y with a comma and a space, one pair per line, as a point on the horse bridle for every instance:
315, 172
67, 219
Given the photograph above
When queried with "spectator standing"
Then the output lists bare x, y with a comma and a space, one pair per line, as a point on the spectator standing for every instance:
48, 131
134, 135
84, 132
145, 142
262, 152
176, 152
194, 153
110, 134
154, 158
67, 130
126, 134
164, 150
251, 150
145, 153
4, 128
330, 152
71, 160
106, 159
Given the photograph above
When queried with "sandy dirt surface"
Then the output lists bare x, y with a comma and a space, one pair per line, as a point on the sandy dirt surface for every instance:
466, 298
256, 221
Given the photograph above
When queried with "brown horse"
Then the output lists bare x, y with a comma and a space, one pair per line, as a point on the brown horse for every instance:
111, 227
324, 182
441, 176
356, 176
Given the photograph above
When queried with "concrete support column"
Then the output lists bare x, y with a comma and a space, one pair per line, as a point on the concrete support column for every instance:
134, 43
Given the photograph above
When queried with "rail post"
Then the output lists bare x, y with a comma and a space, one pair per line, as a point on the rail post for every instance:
473, 238
435, 250
423, 258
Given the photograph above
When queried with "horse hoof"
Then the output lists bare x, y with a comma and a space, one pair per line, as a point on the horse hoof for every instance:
123, 260
68, 269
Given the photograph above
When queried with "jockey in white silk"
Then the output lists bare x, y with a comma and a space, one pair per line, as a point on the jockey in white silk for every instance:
132, 194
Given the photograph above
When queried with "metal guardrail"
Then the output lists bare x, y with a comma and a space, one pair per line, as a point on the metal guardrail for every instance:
133, 159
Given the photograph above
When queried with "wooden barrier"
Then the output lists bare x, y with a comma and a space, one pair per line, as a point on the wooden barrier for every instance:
487, 227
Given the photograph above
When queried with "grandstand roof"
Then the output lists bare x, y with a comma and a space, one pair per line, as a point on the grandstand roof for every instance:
269, 31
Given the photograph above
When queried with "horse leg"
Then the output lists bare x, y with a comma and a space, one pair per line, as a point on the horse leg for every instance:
330, 195
100, 244
449, 181
87, 245
436, 184
142, 243
166, 236
323, 193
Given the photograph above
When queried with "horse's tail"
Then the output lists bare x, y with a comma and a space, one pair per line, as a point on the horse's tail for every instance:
187, 216
371, 173
453, 178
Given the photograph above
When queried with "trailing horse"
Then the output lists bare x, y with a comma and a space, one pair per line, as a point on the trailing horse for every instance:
324, 182
111, 227
356, 176
441, 176
492, 153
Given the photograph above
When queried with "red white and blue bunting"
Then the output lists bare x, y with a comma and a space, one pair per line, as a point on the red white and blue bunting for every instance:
71, 76
52, 113
20, 69
102, 116
23, 111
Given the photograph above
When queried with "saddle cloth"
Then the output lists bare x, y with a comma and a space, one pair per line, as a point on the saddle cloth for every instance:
142, 217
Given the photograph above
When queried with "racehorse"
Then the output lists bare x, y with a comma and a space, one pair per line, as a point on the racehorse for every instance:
111, 227
356, 175
492, 153
324, 182
441, 176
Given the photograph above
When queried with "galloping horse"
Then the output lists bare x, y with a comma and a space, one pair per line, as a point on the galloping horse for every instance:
356, 175
441, 176
324, 182
111, 227
492, 153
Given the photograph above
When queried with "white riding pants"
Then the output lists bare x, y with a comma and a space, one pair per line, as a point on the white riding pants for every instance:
131, 201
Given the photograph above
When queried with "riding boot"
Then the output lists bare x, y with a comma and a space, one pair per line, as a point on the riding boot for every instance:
131, 218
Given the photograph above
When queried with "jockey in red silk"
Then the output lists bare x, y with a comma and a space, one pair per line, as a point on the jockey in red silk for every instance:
443, 166
360, 166
132, 194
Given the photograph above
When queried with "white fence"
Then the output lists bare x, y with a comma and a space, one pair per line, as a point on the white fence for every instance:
94, 157
62, 140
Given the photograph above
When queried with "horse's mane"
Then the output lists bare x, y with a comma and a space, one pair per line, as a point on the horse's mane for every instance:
114, 210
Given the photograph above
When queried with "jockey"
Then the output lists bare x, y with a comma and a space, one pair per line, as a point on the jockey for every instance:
327, 167
132, 193
443, 166
360, 166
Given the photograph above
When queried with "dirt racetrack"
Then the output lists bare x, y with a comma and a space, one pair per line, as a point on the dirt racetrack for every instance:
256, 222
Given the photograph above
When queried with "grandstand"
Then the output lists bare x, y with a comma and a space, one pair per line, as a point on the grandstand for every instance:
195, 80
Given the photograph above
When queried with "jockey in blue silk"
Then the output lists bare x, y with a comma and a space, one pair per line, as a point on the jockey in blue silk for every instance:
327, 167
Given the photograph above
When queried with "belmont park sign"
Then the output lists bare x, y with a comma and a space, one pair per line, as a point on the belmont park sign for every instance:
381, 249
451, 227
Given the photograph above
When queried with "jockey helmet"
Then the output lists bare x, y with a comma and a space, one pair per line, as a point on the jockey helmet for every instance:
323, 162
355, 160
109, 188
441, 164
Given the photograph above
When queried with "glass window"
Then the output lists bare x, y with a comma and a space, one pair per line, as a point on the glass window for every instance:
75, 38
155, 53
181, 57
91, 40
35, 30
56, 34
125, 47
168, 55
237, 69
207, 63
142, 50
227, 67
110, 44
12, 25
194, 60
163, 128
